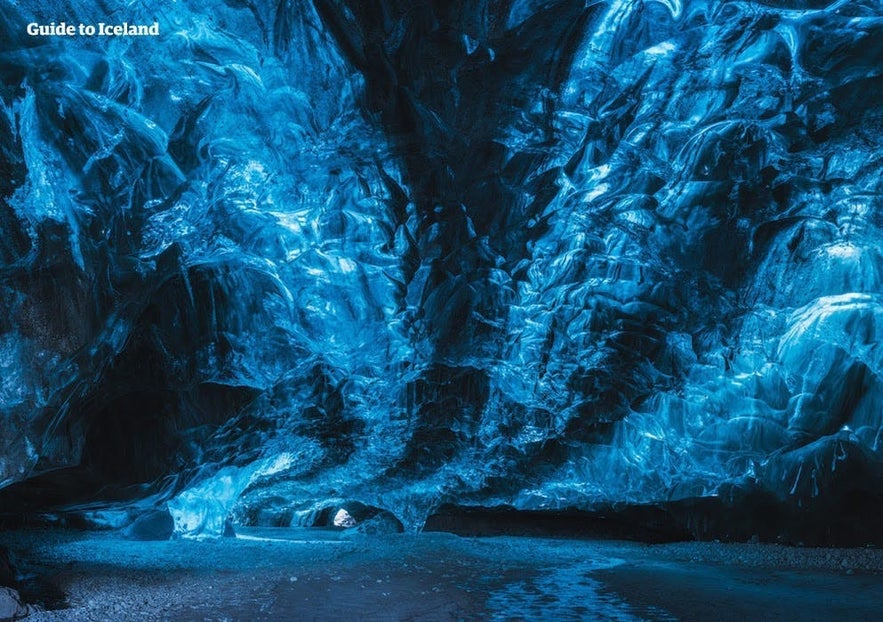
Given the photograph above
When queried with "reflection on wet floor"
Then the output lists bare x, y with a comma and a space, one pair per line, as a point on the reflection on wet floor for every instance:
301, 574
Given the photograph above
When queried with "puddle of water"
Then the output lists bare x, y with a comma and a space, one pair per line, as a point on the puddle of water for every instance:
567, 592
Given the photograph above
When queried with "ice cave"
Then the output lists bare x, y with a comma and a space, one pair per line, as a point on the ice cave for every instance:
441, 309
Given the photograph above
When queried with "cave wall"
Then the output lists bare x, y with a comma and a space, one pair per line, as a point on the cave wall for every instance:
537, 254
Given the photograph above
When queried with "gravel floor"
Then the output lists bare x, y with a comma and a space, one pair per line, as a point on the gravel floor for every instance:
307, 575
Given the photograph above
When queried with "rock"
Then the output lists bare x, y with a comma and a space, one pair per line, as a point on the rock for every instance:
382, 523
11, 607
344, 519
152, 525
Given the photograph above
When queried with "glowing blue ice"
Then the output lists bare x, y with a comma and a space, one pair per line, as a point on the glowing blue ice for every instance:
549, 256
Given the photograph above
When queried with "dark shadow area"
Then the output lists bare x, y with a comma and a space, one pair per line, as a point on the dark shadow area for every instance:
845, 519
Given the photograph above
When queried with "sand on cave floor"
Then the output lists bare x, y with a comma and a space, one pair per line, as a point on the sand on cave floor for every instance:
312, 575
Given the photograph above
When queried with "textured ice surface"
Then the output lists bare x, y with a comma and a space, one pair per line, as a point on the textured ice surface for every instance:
407, 253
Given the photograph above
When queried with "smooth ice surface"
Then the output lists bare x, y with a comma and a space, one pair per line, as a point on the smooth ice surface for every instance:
290, 255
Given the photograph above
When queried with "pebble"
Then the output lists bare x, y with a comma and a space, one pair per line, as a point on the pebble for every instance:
10, 604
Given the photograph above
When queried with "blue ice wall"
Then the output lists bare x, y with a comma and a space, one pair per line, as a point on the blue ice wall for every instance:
404, 253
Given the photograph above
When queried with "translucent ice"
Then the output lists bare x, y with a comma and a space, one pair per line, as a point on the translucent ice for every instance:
541, 253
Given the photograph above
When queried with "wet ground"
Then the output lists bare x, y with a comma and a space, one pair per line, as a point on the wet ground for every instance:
316, 575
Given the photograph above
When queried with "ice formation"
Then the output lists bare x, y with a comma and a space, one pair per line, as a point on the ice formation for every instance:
546, 254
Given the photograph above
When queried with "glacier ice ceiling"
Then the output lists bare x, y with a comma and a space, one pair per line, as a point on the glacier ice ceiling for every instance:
406, 253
